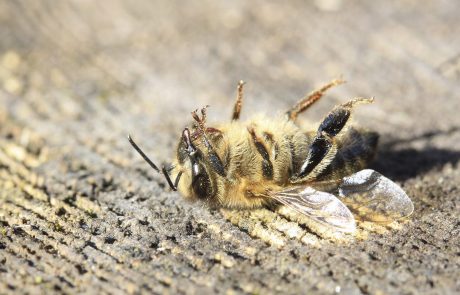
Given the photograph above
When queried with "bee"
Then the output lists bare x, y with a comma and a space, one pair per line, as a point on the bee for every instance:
266, 162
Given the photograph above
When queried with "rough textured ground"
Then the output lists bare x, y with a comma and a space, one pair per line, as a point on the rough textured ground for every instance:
81, 212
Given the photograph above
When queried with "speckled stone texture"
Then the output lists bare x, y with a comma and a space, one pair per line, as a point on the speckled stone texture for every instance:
80, 212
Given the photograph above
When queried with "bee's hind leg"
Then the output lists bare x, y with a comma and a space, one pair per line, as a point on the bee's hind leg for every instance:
323, 147
308, 100
238, 102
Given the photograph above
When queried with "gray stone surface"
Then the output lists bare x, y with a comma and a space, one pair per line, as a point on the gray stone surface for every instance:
81, 212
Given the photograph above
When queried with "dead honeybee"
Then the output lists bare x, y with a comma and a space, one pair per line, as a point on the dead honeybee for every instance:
266, 162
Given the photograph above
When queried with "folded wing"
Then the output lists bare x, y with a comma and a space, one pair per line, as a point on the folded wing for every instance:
320, 206
372, 196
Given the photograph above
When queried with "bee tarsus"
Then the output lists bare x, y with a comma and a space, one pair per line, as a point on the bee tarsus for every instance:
239, 101
307, 101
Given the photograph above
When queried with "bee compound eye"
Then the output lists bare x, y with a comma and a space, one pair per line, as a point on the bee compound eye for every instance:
202, 186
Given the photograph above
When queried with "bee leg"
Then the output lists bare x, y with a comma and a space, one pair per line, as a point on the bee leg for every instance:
307, 101
320, 154
323, 148
267, 166
200, 121
239, 101
214, 159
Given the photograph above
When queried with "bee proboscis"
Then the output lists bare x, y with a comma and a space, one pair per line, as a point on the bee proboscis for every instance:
264, 162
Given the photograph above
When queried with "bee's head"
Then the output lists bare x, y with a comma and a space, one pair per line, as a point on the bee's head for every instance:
196, 182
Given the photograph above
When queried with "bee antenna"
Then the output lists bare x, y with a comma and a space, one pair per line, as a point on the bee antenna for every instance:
163, 171
143, 155
168, 179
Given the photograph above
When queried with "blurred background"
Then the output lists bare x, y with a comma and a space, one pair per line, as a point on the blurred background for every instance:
77, 76
152, 58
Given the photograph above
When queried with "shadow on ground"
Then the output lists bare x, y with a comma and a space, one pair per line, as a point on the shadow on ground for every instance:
404, 163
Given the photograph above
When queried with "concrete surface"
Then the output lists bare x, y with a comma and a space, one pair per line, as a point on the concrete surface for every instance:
80, 212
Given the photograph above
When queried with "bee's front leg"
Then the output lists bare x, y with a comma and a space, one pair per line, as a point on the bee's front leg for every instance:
323, 148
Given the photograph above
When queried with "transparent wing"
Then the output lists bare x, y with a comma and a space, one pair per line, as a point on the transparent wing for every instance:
374, 197
320, 206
